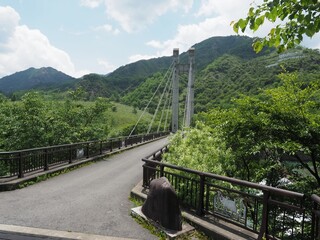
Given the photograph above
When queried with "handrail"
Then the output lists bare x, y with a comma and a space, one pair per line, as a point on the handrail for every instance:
70, 144
270, 212
19, 162
244, 183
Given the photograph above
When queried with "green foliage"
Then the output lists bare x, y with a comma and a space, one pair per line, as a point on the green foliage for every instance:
228, 77
200, 148
279, 122
298, 18
33, 122
140, 97
255, 138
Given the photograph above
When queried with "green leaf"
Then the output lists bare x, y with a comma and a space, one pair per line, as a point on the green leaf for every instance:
236, 27
242, 23
257, 46
251, 13
260, 20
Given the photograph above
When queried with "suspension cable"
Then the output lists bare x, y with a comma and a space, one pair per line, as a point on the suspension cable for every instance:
169, 69
165, 105
159, 103
168, 110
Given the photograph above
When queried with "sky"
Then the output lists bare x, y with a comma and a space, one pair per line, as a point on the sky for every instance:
79, 37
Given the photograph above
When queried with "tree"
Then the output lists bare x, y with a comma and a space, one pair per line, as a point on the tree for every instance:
299, 18
201, 149
280, 122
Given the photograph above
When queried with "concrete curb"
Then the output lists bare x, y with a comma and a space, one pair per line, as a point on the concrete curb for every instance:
19, 232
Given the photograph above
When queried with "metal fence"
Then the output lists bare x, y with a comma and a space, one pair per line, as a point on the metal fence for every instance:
270, 212
19, 163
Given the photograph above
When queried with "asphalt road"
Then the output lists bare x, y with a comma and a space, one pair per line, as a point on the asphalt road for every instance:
92, 199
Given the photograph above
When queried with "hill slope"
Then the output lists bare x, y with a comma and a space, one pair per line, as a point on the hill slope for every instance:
31, 78
230, 75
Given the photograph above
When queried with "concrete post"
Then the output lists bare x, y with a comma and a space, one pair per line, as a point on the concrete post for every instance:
190, 90
175, 91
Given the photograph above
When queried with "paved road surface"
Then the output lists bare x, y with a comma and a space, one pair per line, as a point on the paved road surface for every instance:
93, 199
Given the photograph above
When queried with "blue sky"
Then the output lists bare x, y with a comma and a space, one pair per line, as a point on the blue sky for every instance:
83, 36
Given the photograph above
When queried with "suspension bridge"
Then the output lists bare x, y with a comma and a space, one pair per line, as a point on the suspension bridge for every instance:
169, 97
92, 202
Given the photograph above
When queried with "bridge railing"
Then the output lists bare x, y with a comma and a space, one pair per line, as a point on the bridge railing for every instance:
315, 230
270, 212
19, 163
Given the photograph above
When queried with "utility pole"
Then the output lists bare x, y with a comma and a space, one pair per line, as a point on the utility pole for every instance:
190, 90
175, 91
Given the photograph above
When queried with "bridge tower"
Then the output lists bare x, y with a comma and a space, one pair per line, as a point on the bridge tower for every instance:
175, 91
177, 69
190, 90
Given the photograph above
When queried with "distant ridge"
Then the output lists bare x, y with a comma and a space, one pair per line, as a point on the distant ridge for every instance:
33, 78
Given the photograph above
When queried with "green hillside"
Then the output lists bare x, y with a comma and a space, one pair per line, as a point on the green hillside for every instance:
32, 78
229, 76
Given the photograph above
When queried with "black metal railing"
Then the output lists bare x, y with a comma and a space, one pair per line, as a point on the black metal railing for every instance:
19, 163
270, 212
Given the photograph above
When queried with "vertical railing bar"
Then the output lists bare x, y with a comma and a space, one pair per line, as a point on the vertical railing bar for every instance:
265, 212
46, 159
20, 162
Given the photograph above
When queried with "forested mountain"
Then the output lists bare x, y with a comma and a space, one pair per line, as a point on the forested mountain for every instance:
32, 78
126, 78
230, 75
225, 68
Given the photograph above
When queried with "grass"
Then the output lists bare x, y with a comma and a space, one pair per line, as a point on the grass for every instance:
124, 115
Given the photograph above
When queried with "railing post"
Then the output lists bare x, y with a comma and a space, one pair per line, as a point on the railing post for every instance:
264, 224
70, 154
87, 150
21, 174
161, 170
200, 211
46, 159
145, 175
315, 218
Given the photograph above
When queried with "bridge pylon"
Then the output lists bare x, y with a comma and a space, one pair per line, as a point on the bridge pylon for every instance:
190, 90
175, 91
177, 69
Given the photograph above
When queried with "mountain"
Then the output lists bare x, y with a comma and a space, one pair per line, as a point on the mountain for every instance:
127, 78
225, 68
229, 76
232, 72
32, 78
131, 75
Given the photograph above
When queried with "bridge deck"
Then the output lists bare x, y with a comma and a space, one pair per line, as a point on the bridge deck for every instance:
93, 199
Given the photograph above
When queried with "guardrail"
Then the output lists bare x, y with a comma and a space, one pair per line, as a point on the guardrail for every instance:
19, 163
270, 212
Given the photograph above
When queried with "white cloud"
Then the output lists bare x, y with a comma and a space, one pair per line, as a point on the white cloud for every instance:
23, 47
137, 57
218, 17
107, 65
108, 28
228, 8
91, 3
188, 35
135, 15
9, 18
